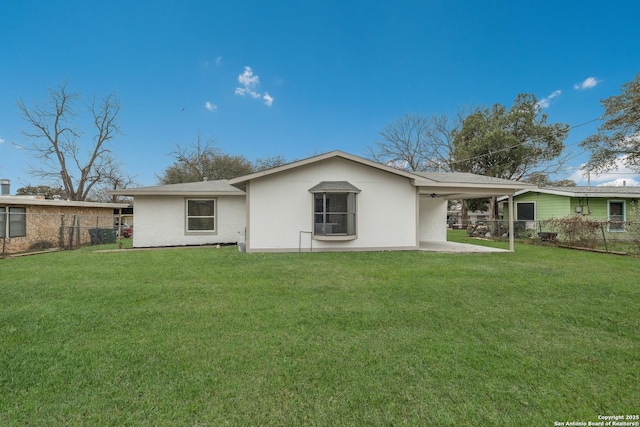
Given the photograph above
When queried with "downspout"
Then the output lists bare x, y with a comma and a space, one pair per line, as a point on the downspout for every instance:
247, 224
511, 227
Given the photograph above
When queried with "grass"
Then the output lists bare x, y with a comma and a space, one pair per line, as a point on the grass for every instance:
209, 337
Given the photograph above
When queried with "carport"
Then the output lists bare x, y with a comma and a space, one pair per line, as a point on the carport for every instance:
436, 188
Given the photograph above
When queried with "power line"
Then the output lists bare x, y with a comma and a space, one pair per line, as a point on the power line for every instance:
490, 153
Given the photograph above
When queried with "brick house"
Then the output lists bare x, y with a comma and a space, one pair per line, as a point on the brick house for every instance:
30, 223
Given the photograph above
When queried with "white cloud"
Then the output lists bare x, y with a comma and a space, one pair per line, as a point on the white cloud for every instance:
249, 86
1, 140
546, 102
249, 83
211, 107
216, 61
588, 83
621, 182
617, 177
268, 99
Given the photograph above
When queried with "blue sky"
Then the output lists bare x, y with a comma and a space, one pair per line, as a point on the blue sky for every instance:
297, 78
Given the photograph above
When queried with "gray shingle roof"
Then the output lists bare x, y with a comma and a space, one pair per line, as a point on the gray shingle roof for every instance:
597, 190
462, 178
337, 186
220, 186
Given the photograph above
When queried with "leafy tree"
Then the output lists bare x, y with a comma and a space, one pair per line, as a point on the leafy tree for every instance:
203, 160
543, 180
63, 155
619, 136
41, 190
509, 143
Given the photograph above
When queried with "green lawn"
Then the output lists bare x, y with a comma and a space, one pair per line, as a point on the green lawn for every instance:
211, 337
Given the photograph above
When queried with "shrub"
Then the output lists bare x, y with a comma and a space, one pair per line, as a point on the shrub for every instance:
574, 230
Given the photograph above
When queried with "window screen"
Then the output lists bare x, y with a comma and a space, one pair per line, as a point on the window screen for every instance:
201, 215
525, 211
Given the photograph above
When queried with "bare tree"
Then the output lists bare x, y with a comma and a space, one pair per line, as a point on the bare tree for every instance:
203, 160
264, 163
113, 178
418, 143
57, 143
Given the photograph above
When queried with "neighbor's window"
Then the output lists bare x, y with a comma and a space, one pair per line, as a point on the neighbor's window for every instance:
525, 211
3, 221
616, 215
201, 215
13, 222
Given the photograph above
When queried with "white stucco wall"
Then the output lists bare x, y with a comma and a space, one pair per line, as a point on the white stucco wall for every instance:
280, 207
161, 221
433, 219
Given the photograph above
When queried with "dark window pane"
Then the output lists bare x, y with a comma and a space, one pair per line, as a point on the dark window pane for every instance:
3, 222
201, 208
525, 211
334, 214
201, 215
17, 222
202, 224
336, 202
338, 223
318, 202
616, 216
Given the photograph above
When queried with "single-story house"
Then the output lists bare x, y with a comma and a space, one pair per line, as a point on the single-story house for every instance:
606, 204
193, 213
30, 223
331, 202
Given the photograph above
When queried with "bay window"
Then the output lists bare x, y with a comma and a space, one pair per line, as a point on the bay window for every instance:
334, 210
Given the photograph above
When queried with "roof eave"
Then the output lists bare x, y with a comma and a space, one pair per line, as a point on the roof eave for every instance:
583, 194
133, 193
241, 182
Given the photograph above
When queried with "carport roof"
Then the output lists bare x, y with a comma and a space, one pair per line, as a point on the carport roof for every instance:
460, 185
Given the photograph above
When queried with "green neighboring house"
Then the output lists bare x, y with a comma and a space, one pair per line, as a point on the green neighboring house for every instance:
610, 204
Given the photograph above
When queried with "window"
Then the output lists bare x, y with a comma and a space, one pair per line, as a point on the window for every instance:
525, 211
13, 222
526, 215
201, 215
334, 210
616, 215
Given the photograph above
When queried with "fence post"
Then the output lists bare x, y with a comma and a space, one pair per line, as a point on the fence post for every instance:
61, 233
603, 237
73, 222
78, 233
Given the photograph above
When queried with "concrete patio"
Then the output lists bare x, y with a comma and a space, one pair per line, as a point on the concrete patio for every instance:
454, 247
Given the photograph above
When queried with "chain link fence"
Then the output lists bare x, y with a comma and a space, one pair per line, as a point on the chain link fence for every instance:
33, 232
608, 236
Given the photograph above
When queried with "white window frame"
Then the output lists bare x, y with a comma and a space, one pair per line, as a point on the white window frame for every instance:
188, 217
624, 215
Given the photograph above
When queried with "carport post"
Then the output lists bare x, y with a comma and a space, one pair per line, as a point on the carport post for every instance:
511, 228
